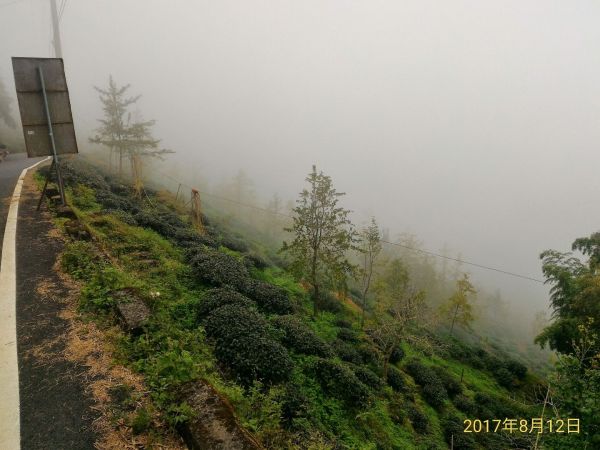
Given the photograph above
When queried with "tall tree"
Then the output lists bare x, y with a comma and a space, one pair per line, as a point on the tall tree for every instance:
575, 293
574, 334
399, 311
114, 130
140, 145
130, 139
370, 247
323, 234
459, 305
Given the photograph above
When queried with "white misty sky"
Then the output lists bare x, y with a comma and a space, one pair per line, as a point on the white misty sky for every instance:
470, 123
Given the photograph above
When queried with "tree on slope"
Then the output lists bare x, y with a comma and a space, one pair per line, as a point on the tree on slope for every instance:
114, 129
459, 306
131, 140
399, 311
370, 247
323, 234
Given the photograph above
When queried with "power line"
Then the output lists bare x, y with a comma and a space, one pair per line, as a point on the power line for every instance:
396, 244
481, 266
61, 9
2, 5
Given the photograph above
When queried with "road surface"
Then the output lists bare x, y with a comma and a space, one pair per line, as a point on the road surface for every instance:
43, 400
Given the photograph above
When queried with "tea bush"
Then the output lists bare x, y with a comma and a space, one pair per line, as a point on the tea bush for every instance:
300, 338
218, 269
269, 298
367, 377
395, 379
243, 343
454, 433
451, 384
465, 404
347, 352
397, 355
418, 419
215, 298
433, 390
340, 382
348, 335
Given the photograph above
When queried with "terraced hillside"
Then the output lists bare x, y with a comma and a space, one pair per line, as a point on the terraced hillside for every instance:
225, 315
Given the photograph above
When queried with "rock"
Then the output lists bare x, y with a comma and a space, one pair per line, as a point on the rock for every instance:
214, 426
132, 310
65, 211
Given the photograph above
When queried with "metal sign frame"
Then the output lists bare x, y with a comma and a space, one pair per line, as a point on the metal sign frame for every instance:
45, 112
37, 100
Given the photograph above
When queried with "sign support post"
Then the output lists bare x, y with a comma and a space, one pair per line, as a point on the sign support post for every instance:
61, 186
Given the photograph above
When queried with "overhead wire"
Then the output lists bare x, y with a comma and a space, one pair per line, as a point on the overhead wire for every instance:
396, 244
2, 5
61, 9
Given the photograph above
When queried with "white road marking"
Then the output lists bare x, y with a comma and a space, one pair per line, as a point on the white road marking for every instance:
10, 432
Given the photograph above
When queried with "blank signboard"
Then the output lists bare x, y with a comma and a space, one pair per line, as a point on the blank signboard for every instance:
31, 106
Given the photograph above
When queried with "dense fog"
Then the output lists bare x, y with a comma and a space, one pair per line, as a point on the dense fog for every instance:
473, 125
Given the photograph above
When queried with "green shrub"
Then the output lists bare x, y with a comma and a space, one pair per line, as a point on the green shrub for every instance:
367, 377
141, 421
451, 384
269, 298
295, 404
188, 237
217, 297
84, 197
516, 368
504, 377
418, 419
347, 352
113, 202
123, 216
300, 338
465, 404
433, 390
80, 260
327, 302
243, 343
348, 335
397, 355
367, 353
217, 269
96, 294
454, 433
185, 313
234, 243
253, 261
164, 223
343, 323
490, 407
395, 379
339, 381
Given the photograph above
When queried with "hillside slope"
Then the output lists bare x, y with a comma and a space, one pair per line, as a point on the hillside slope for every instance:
223, 314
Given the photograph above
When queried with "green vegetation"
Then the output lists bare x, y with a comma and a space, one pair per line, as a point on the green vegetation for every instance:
224, 313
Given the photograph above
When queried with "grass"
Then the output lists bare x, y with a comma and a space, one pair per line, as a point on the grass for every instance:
174, 350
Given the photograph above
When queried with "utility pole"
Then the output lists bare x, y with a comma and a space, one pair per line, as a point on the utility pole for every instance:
56, 30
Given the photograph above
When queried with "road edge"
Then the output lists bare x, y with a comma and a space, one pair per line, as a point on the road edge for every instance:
10, 429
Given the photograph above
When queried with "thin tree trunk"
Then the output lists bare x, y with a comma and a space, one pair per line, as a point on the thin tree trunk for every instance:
453, 320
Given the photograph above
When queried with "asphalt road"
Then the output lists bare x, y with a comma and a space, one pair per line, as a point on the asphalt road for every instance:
10, 169
56, 411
